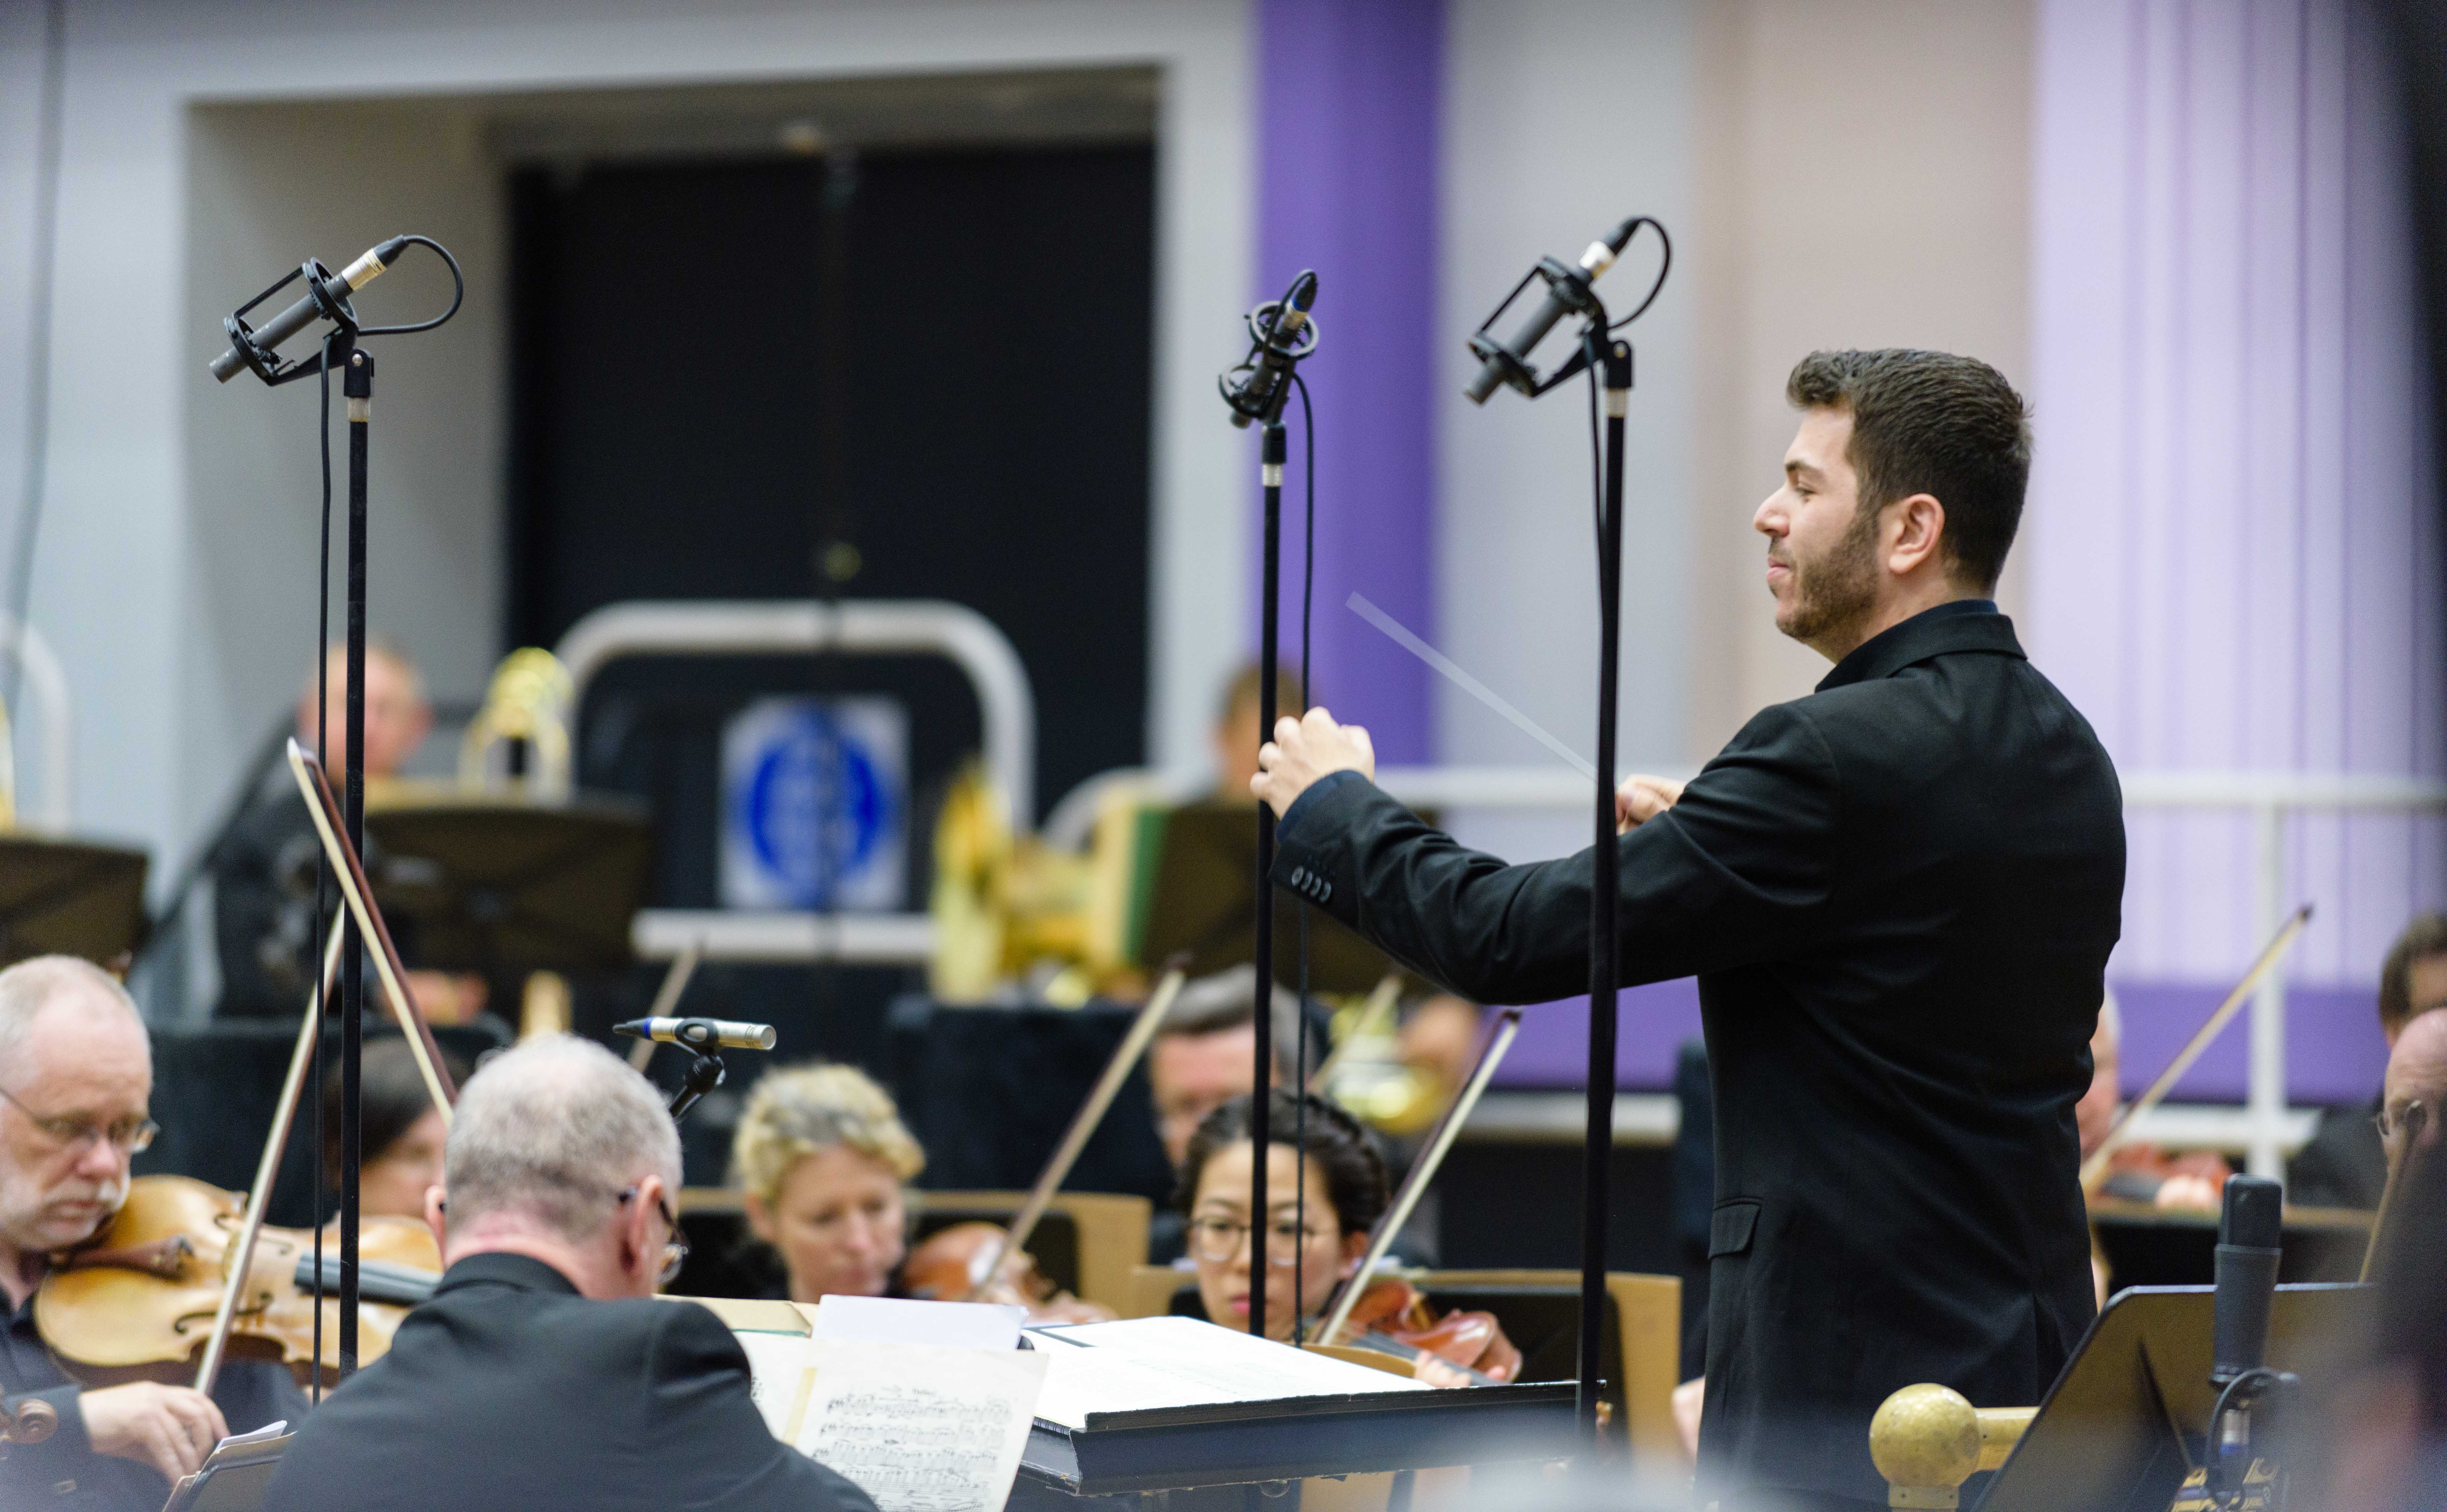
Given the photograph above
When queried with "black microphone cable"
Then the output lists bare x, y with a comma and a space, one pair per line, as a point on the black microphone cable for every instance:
1300, 1035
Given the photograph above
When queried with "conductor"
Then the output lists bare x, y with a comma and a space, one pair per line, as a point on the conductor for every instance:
1898, 895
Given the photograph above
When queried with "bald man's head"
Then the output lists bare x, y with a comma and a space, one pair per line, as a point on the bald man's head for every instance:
77, 1071
2416, 1072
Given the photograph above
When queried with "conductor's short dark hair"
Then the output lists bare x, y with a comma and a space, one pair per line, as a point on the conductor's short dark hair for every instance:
1931, 423
2422, 939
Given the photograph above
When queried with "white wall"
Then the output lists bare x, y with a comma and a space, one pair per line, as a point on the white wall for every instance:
174, 593
1563, 117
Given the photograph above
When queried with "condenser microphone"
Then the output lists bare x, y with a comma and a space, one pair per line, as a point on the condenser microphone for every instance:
701, 1033
336, 286
1254, 389
1567, 292
2250, 1239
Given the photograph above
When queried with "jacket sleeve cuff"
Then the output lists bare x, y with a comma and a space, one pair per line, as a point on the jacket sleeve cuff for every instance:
1313, 861
1307, 801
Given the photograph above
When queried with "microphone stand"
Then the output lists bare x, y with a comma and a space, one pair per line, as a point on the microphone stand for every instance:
357, 386
1276, 349
1270, 476
1605, 905
1568, 291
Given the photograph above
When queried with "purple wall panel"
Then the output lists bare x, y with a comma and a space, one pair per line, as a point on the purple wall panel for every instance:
1653, 1021
1350, 101
2233, 538
2334, 1053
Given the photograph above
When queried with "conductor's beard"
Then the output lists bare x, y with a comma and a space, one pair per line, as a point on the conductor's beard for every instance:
1831, 595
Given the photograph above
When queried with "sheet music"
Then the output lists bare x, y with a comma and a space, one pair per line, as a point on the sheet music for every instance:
1158, 1362
921, 1428
775, 1361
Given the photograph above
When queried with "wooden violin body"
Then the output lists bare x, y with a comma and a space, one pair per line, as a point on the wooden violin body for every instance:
137, 1302
1390, 1311
950, 1266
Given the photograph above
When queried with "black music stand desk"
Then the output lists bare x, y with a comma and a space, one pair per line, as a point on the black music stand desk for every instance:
502, 883
2125, 1422
68, 897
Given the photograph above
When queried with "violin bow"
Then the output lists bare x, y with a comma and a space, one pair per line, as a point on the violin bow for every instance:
240, 1256
2094, 1170
1423, 1170
1379, 1005
359, 895
1082, 1124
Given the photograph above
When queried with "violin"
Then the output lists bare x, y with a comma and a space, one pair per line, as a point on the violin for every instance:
1392, 1316
137, 1302
974, 1263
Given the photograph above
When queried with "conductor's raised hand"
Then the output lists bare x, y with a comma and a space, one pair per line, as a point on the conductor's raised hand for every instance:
1305, 749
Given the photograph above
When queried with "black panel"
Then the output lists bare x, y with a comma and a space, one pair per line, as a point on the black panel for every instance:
700, 411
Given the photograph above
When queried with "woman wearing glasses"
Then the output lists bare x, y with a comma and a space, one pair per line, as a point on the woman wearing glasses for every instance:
1311, 1246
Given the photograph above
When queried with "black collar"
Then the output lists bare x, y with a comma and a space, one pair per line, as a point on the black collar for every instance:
497, 1268
1962, 625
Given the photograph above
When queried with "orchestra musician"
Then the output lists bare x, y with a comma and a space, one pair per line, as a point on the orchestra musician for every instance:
543, 1373
1318, 1235
821, 1155
1898, 893
263, 870
1204, 1053
2343, 1164
401, 1132
2417, 1078
76, 1073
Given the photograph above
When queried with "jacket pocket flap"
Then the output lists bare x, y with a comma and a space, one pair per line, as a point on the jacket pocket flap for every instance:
1728, 1228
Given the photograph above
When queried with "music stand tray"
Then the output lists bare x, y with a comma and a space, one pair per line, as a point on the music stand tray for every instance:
2124, 1422
502, 883
232, 1477
1245, 1443
68, 897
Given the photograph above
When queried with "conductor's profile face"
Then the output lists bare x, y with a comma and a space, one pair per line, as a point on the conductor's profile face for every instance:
1822, 564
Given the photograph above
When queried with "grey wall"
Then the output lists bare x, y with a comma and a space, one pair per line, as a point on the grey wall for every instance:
209, 145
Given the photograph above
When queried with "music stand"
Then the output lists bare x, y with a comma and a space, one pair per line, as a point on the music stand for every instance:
68, 897
502, 883
2125, 1422
233, 1475
1200, 897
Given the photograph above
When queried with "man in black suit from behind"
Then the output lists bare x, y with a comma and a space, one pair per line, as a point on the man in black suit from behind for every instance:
543, 1373
1898, 895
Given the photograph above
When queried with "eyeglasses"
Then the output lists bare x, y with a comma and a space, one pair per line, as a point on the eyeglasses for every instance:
1217, 1239
132, 1135
675, 1250
2393, 1121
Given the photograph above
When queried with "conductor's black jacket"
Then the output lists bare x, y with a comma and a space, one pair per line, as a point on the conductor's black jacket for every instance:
1898, 895
507, 1391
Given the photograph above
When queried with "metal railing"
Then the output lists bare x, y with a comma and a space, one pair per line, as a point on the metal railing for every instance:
2263, 1128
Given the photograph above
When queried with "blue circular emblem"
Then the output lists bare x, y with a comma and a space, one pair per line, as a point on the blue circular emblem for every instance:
815, 807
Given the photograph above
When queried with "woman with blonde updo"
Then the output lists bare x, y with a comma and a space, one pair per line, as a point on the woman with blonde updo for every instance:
820, 1155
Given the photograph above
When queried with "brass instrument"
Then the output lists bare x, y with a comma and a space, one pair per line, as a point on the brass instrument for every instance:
1012, 914
528, 700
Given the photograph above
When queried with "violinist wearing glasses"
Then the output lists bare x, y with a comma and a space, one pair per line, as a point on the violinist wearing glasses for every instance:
1325, 1190
76, 1072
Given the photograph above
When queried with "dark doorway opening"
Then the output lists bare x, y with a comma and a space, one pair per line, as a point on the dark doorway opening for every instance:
903, 374
909, 374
